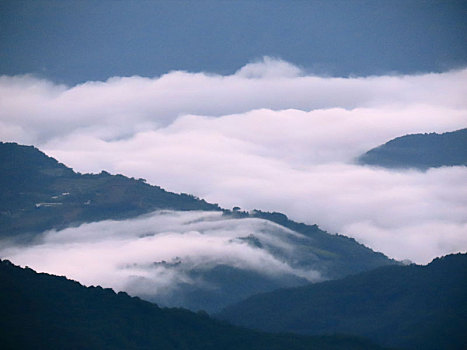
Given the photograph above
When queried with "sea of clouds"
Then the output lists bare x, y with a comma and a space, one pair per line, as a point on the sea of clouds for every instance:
270, 137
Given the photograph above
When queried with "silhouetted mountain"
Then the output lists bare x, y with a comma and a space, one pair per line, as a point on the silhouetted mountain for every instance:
41, 311
41, 194
414, 307
420, 151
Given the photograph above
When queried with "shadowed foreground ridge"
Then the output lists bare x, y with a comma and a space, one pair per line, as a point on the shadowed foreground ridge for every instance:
413, 307
41, 311
421, 151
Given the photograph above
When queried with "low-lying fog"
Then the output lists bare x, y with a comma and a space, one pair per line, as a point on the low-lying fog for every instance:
156, 254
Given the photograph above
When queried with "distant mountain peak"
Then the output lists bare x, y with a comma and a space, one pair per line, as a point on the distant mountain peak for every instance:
420, 151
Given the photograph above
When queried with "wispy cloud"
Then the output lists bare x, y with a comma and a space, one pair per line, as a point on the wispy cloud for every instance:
269, 137
155, 255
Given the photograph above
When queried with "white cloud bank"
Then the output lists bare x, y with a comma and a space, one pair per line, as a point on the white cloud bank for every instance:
269, 137
128, 255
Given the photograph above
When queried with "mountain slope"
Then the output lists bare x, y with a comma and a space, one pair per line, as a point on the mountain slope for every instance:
420, 151
195, 259
237, 254
39, 193
339, 255
416, 307
41, 311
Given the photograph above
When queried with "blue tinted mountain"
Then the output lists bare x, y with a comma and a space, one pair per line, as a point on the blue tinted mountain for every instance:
40, 194
309, 254
421, 151
41, 311
346, 254
413, 307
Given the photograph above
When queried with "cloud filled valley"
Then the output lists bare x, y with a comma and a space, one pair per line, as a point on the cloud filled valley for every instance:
270, 137
240, 174
165, 255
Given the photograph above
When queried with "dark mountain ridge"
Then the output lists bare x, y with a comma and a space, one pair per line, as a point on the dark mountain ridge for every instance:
328, 246
420, 151
41, 311
413, 307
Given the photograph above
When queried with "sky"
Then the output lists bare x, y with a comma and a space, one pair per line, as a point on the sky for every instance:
263, 107
73, 41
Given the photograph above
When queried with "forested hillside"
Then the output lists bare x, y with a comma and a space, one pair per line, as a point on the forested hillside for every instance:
39, 193
414, 307
41, 311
